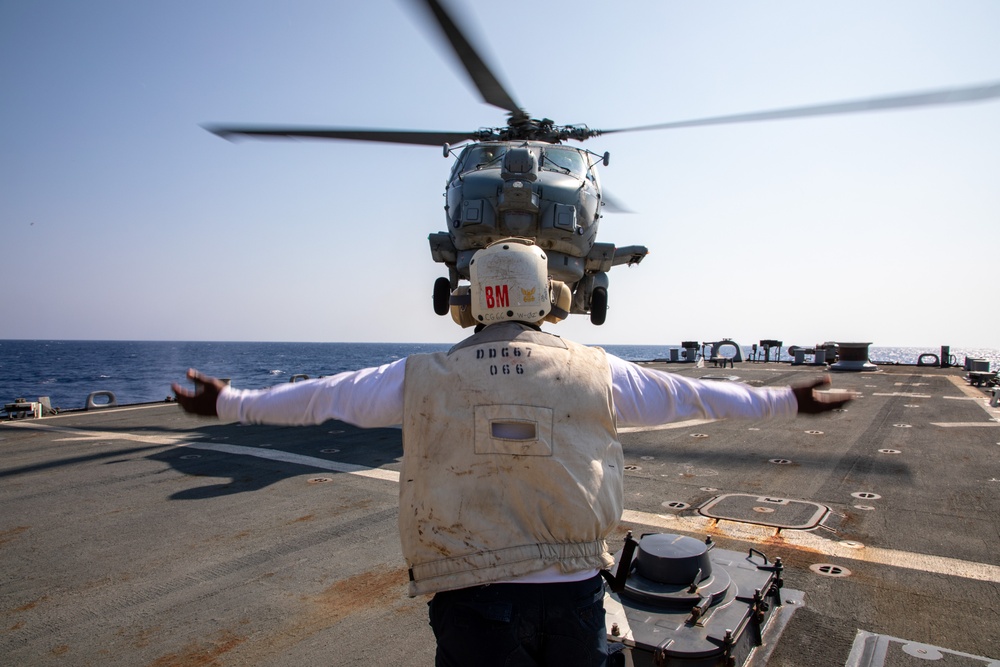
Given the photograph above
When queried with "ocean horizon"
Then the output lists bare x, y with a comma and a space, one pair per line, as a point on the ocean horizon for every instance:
67, 371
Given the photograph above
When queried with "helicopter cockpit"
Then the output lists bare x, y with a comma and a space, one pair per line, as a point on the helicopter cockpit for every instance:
480, 156
561, 159
566, 160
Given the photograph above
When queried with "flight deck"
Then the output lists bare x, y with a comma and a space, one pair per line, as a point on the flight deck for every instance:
139, 535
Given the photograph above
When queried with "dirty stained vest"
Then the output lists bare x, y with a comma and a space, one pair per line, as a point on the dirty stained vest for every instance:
511, 460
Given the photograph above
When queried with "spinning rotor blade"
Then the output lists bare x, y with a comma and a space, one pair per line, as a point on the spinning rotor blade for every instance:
489, 87
418, 137
932, 98
613, 204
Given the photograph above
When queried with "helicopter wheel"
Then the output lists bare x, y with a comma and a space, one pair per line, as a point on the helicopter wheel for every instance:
442, 296
598, 306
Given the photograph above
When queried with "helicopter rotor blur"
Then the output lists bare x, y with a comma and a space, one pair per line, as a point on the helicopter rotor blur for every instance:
522, 180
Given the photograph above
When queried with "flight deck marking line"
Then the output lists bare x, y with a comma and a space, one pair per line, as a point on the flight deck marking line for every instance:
99, 410
79, 434
299, 459
795, 539
808, 541
666, 427
976, 392
963, 424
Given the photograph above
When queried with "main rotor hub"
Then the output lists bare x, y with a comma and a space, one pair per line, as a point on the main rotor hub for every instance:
522, 127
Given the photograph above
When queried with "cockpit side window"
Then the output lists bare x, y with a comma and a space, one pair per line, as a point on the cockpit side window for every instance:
592, 171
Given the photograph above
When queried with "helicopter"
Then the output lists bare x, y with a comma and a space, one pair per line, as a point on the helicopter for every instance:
524, 180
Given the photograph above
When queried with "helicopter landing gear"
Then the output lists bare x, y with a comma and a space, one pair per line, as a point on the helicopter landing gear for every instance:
598, 306
442, 296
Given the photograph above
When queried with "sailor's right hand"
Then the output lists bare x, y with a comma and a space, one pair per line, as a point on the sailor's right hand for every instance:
812, 400
202, 400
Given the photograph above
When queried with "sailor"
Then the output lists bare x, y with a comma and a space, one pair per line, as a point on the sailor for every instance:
512, 471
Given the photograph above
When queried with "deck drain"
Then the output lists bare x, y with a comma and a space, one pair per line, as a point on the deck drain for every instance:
647, 458
829, 570
188, 457
865, 495
902, 426
753, 428
839, 410
328, 451
709, 489
852, 544
675, 505
632, 468
699, 435
319, 480
864, 508
334, 432
780, 462
265, 445
815, 432
889, 451
910, 405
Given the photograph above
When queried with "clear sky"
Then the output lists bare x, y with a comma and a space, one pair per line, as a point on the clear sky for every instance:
123, 219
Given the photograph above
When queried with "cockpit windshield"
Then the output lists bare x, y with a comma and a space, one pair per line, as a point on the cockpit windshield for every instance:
483, 156
559, 159
564, 159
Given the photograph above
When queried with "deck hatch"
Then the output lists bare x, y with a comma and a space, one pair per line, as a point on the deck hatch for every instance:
874, 650
765, 510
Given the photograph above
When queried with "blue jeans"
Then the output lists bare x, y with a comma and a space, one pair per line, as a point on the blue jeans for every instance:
521, 625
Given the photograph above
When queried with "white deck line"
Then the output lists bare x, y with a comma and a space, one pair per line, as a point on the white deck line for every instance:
796, 539
298, 459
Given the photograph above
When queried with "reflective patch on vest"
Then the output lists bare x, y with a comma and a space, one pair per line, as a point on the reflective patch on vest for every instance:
514, 430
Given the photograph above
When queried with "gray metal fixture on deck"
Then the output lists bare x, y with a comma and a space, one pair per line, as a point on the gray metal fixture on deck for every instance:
675, 600
853, 357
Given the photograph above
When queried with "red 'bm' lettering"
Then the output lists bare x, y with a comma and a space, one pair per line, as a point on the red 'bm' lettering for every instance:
497, 297
503, 301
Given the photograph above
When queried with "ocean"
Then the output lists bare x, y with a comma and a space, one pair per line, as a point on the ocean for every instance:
141, 371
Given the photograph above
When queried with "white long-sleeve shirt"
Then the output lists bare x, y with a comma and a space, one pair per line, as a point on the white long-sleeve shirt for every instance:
373, 397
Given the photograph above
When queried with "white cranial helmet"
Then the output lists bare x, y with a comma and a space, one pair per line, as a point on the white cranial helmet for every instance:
510, 281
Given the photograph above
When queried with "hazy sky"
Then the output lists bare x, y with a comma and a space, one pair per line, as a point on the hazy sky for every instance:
123, 219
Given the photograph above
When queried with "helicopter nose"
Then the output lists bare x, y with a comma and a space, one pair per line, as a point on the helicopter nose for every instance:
518, 223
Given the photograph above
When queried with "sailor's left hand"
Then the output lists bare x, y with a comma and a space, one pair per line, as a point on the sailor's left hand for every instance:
812, 401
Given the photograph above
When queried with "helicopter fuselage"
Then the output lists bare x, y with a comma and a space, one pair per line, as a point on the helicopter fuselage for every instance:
547, 192
522, 180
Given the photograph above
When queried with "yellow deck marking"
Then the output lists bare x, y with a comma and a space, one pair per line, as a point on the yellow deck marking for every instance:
810, 541
698, 525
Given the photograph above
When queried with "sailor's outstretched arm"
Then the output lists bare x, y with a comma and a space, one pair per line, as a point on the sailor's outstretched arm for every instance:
647, 397
370, 397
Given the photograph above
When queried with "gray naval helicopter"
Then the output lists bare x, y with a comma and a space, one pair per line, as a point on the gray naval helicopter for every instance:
522, 180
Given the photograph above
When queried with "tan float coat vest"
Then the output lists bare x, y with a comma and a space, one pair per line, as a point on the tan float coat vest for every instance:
511, 460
